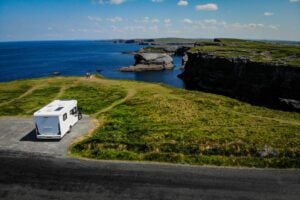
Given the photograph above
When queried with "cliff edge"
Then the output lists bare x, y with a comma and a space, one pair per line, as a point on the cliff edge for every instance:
256, 75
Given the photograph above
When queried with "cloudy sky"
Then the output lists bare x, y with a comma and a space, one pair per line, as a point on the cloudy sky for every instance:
110, 19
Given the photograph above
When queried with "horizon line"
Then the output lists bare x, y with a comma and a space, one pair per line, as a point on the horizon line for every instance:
60, 40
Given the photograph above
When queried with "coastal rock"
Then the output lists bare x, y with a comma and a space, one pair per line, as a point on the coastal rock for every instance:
150, 62
290, 104
184, 60
168, 49
182, 50
270, 84
153, 58
136, 41
207, 43
142, 67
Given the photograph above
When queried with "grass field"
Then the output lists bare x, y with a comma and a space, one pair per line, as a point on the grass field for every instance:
152, 122
177, 40
254, 50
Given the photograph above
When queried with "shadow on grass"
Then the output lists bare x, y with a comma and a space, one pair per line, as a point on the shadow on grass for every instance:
31, 137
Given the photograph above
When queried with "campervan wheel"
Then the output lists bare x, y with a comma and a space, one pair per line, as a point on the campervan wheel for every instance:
70, 128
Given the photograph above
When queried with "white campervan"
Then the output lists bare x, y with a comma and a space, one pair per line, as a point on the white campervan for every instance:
56, 119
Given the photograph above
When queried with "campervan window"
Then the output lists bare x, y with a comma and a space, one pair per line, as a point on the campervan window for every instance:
73, 111
65, 116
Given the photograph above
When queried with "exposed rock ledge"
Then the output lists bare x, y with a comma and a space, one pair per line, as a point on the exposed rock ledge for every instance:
150, 62
269, 84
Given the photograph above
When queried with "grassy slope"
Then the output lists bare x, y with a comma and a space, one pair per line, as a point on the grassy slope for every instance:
255, 51
153, 49
142, 121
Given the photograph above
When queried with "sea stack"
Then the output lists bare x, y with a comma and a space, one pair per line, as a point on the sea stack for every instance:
150, 62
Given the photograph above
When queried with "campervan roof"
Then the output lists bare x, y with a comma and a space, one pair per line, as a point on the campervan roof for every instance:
55, 108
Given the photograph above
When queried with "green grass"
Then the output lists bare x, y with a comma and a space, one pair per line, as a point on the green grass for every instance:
254, 50
9, 92
29, 104
151, 49
93, 98
177, 40
165, 124
184, 129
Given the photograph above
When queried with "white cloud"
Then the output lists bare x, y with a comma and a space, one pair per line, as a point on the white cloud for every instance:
79, 30
144, 20
210, 21
260, 25
147, 20
115, 19
294, 1
114, 28
154, 28
208, 7
251, 26
84, 30
268, 14
95, 19
115, 2
157, 1
134, 28
188, 21
182, 3
50, 28
209, 24
274, 27
168, 22
155, 20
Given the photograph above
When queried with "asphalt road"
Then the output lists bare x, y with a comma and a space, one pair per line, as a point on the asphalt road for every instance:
42, 170
34, 176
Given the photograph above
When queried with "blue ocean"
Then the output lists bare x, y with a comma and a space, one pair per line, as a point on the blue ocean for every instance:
21, 60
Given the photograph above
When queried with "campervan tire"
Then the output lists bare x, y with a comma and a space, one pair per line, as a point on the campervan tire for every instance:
69, 131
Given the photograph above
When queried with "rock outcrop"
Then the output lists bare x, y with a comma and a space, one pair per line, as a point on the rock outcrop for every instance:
182, 50
150, 62
168, 49
269, 84
184, 60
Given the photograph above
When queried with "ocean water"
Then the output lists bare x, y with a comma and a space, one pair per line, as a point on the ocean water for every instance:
20, 60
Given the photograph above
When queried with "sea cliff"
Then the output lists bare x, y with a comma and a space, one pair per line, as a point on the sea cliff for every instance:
263, 83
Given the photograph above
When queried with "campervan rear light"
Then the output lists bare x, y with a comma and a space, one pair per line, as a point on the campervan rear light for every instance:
59, 133
36, 129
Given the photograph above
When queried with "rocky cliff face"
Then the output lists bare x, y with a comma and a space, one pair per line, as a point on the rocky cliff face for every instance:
268, 84
150, 62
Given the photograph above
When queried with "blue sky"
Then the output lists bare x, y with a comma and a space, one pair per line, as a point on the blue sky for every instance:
110, 19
